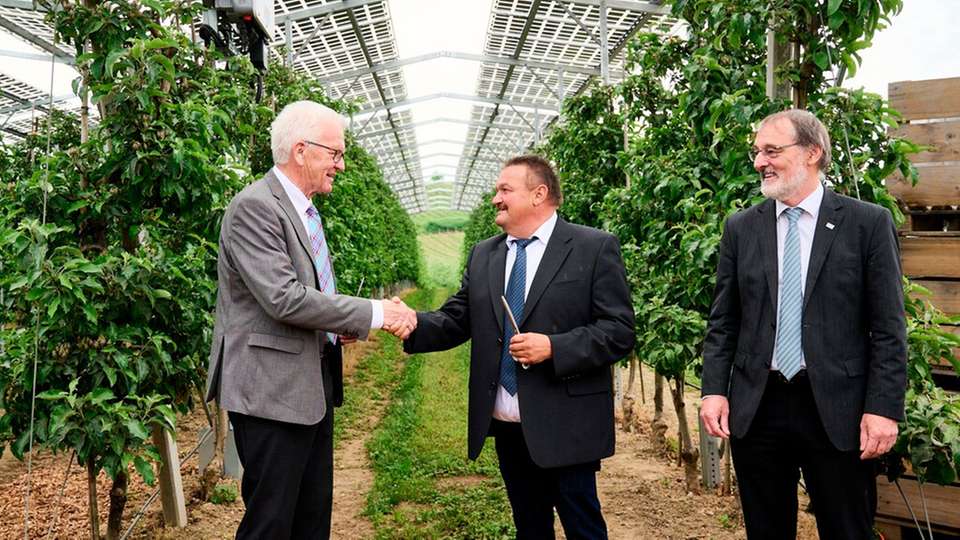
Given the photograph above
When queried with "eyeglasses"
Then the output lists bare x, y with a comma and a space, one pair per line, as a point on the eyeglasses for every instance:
770, 152
337, 154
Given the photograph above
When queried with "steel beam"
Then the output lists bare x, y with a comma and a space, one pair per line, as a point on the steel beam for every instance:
653, 7
35, 56
468, 123
31, 38
552, 107
395, 64
315, 11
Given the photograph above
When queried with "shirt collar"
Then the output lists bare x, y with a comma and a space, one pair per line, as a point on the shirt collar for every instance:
810, 205
543, 232
300, 201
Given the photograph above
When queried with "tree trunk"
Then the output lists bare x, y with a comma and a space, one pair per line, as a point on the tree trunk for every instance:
93, 513
727, 487
214, 472
689, 454
629, 399
658, 428
118, 501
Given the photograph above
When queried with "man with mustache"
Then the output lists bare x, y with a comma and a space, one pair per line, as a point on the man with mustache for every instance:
544, 394
805, 353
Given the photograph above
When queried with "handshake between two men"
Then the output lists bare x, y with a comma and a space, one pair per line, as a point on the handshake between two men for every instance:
398, 318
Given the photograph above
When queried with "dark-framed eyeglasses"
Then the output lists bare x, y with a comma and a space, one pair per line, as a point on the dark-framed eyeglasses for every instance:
769, 151
337, 154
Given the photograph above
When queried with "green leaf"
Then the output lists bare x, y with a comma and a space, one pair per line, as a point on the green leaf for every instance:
100, 395
145, 469
833, 6
137, 429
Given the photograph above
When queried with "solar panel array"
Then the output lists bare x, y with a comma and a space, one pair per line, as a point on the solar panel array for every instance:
537, 52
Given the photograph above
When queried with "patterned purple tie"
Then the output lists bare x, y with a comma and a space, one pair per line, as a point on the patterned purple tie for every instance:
321, 257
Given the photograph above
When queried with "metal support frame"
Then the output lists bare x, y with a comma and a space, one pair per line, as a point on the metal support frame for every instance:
468, 123
498, 101
396, 64
604, 48
31, 38
324, 9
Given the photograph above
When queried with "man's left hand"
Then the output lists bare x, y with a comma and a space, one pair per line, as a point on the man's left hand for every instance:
530, 348
877, 435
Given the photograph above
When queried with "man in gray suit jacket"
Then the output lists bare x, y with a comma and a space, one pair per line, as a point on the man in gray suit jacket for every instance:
275, 363
804, 363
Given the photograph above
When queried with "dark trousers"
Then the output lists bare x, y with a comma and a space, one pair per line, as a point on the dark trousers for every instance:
287, 484
535, 491
787, 437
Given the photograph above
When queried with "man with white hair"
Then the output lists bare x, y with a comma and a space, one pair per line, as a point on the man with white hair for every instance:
275, 362
804, 363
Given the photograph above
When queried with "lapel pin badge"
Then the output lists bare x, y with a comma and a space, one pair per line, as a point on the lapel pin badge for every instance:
830, 225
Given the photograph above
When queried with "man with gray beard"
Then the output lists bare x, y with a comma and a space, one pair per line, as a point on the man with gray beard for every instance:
805, 353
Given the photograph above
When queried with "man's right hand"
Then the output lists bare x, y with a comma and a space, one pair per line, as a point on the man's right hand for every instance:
715, 413
398, 319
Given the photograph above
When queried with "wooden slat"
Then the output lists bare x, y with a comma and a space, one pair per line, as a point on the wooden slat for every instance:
937, 98
946, 294
941, 501
944, 137
932, 256
939, 186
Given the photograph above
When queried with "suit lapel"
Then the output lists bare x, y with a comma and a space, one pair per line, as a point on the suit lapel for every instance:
277, 190
768, 247
823, 236
496, 267
557, 250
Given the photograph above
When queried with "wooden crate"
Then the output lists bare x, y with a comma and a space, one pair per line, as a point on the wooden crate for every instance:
943, 138
942, 504
936, 98
939, 187
930, 254
945, 294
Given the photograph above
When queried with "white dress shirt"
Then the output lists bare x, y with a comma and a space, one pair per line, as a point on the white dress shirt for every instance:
806, 227
507, 407
301, 203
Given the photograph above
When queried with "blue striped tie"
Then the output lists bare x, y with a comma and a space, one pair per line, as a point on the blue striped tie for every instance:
321, 258
789, 327
516, 287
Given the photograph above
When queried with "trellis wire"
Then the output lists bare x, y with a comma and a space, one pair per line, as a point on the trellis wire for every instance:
36, 332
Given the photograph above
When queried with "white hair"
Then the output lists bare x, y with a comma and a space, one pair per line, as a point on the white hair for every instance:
299, 121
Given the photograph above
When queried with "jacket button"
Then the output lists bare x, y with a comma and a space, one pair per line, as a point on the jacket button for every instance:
500, 340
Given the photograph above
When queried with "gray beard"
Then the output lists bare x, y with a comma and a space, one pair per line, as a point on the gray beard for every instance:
784, 189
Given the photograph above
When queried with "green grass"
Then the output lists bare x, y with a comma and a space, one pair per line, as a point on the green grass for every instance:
424, 485
433, 220
441, 258
375, 375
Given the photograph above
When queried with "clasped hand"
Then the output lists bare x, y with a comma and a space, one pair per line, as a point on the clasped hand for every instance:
398, 319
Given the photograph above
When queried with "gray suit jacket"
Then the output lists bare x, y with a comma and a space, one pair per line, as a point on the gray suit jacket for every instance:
854, 332
272, 319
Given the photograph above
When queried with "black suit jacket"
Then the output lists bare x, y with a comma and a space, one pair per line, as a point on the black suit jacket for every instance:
854, 332
580, 299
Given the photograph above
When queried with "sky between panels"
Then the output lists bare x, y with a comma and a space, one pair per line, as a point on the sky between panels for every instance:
438, 116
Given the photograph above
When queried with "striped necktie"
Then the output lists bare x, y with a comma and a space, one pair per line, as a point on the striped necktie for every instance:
321, 257
516, 288
789, 325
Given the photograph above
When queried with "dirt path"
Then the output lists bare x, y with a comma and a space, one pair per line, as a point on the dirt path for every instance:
642, 490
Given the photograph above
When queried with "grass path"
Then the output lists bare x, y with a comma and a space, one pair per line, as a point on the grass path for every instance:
424, 485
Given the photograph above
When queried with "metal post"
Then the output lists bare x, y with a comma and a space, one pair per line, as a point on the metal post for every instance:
604, 50
560, 86
777, 55
536, 125
288, 38
709, 457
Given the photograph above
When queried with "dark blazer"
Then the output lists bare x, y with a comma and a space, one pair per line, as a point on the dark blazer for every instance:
580, 299
854, 332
